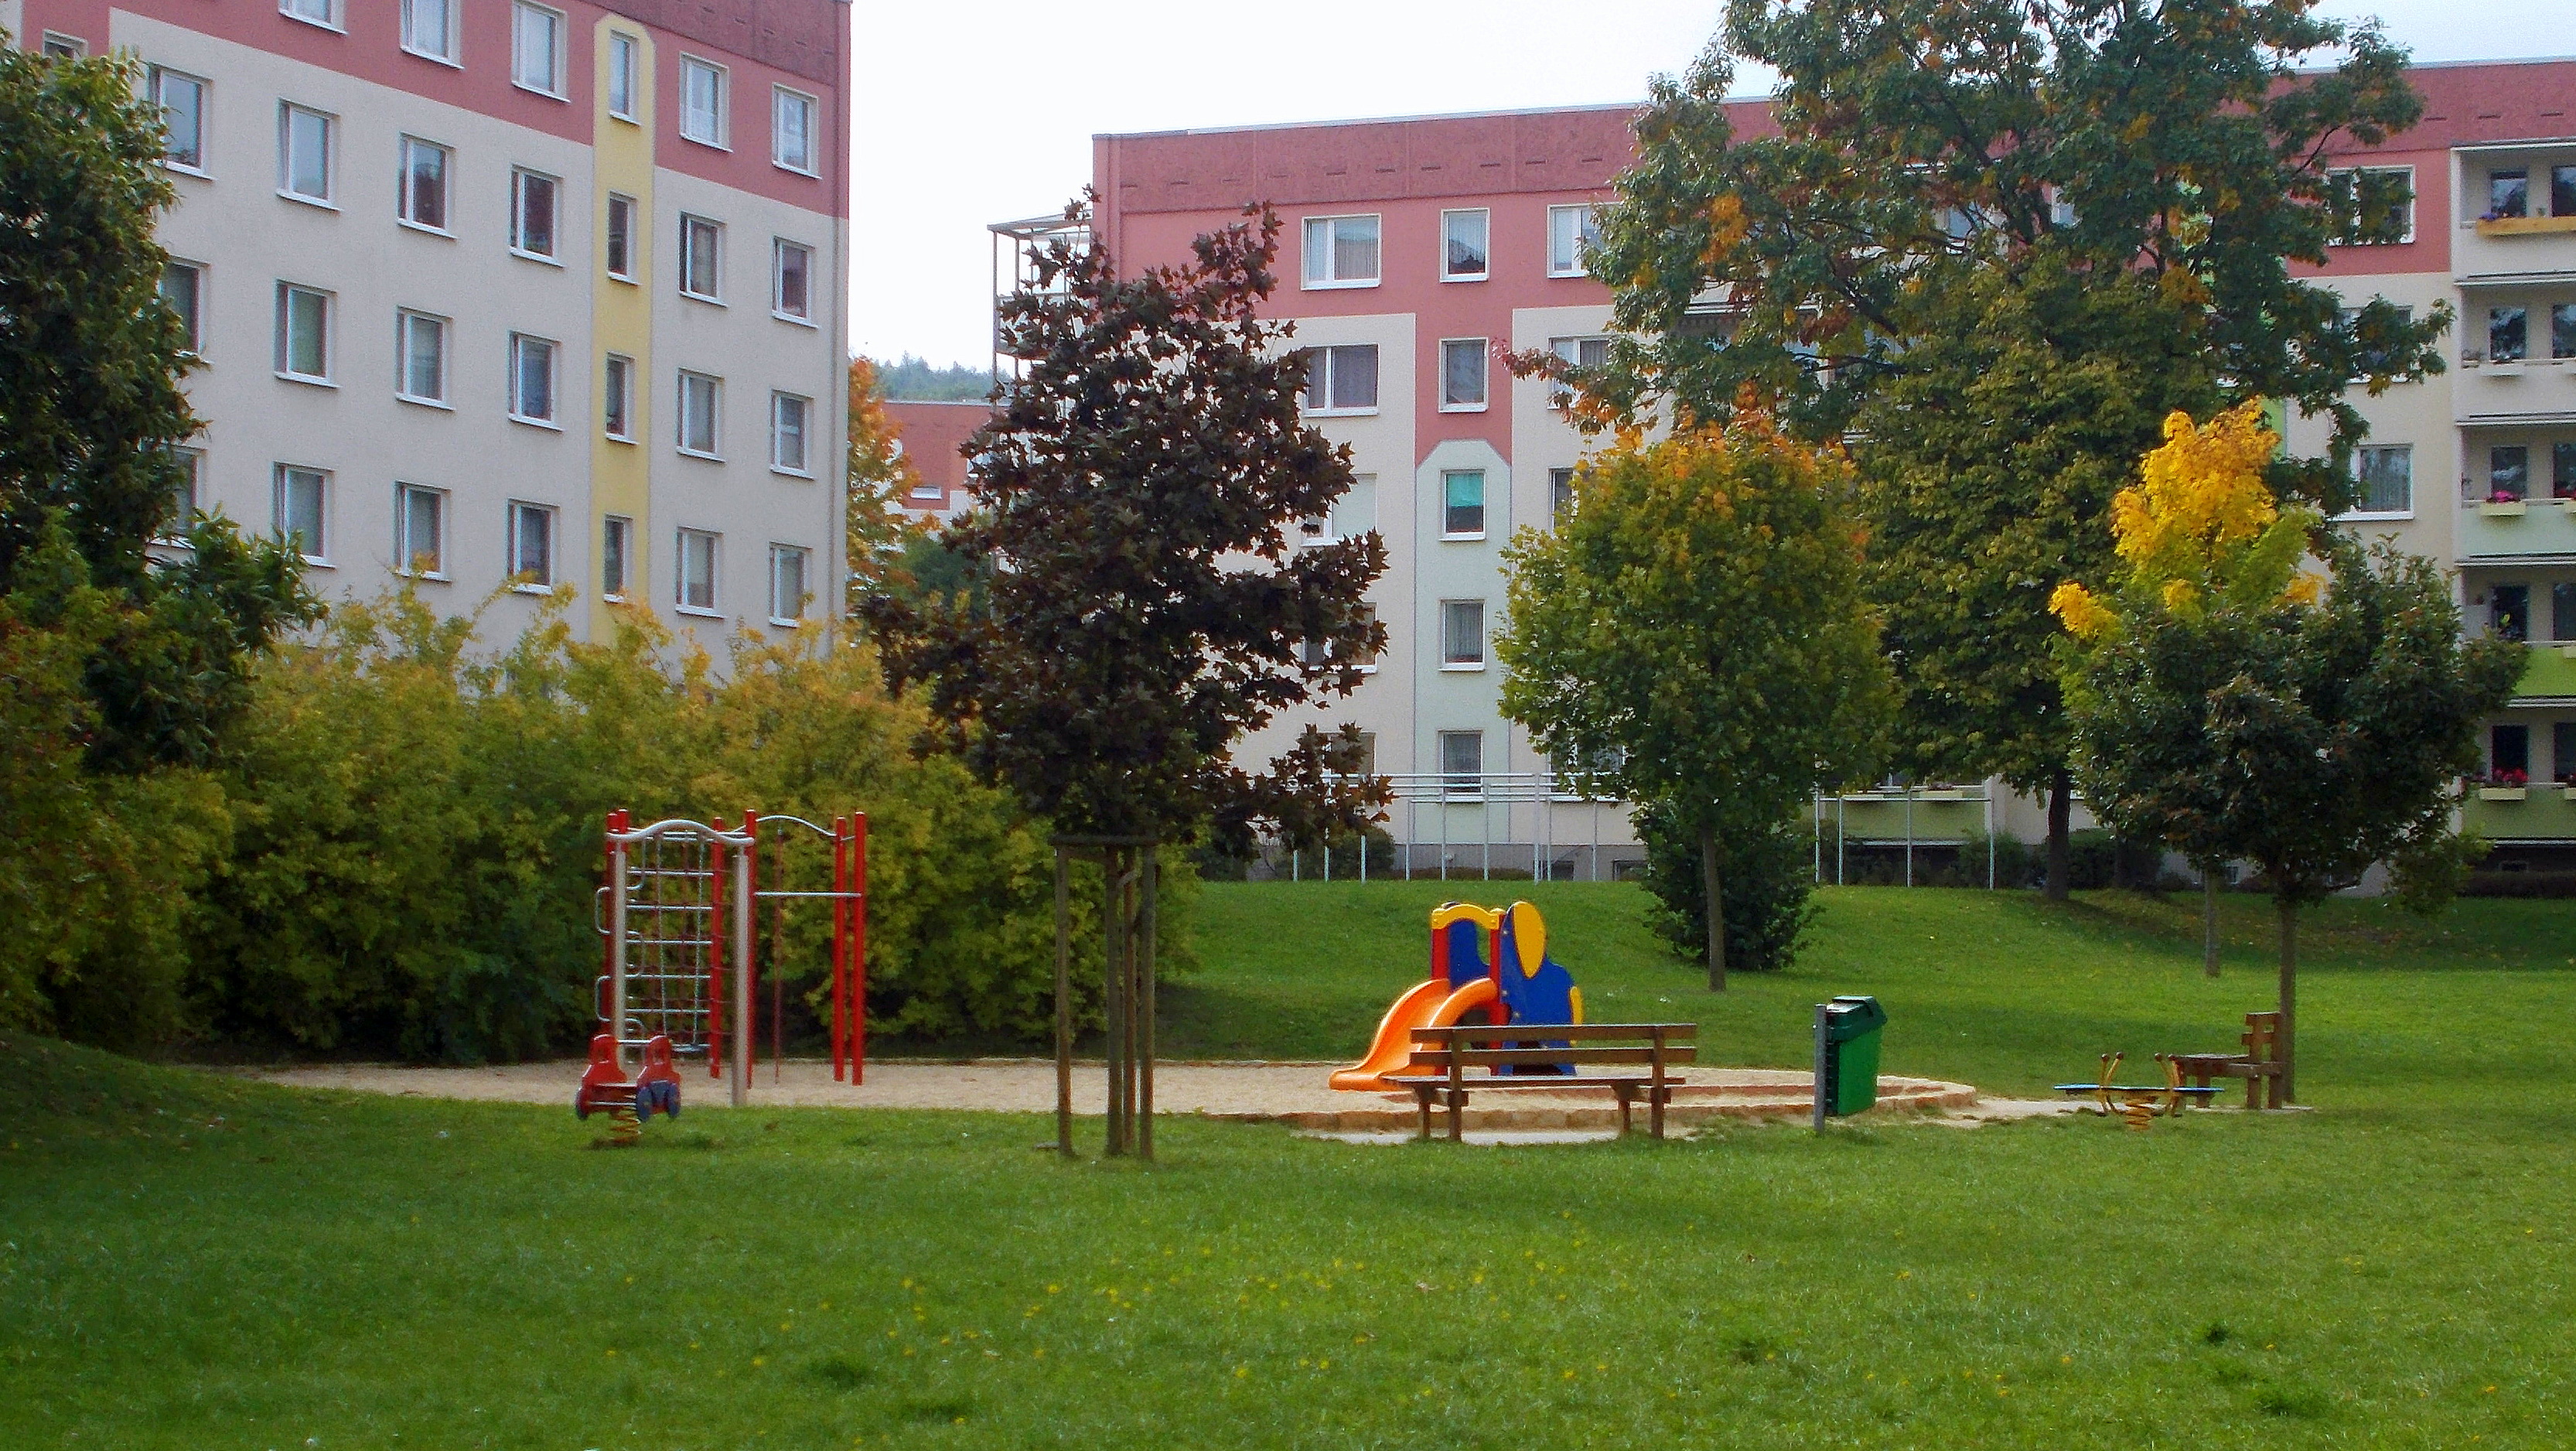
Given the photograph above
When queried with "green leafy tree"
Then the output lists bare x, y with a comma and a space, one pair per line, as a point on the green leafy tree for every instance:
1694, 633
1996, 242
880, 532
1145, 601
2230, 707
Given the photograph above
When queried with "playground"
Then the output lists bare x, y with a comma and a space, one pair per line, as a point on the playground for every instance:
371, 1269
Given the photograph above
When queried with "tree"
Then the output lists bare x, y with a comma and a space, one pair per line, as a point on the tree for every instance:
1996, 242
879, 532
2229, 706
1694, 634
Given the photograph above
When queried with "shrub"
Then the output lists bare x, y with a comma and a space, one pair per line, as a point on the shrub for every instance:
1767, 878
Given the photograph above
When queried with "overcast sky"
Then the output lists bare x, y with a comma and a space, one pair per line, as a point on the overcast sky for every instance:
977, 112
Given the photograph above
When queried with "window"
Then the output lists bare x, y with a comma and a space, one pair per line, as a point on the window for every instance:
701, 243
2562, 622
1462, 504
2562, 191
697, 571
57, 46
537, 49
1575, 353
1342, 379
789, 416
1464, 238
2508, 193
700, 397
182, 99
420, 351
787, 583
617, 398
1341, 251
1462, 634
621, 237
419, 515
421, 194
1462, 375
616, 532
319, 12
532, 545
2507, 334
303, 333
1315, 654
1560, 493
791, 129
185, 495
2375, 356
702, 101
2371, 205
623, 56
303, 153
2386, 473
791, 283
2562, 330
1571, 236
2562, 746
1462, 762
301, 497
183, 291
532, 214
2508, 472
2509, 749
429, 28
2562, 477
532, 379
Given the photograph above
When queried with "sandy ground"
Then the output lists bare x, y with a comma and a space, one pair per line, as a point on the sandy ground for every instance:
1292, 1093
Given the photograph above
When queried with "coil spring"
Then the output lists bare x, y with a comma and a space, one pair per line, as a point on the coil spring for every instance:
624, 1129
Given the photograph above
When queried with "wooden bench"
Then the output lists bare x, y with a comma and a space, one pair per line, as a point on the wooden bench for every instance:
2258, 1064
1442, 1057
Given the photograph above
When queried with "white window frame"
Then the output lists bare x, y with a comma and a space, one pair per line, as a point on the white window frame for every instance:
715, 415
406, 322
520, 344
1307, 278
157, 82
192, 495
547, 517
619, 201
521, 13
779, 247
1457, 785
617, 398
2361, 512
722, 139
1450, 660
286, 293
616, 546
1575, 264
195, 319
1320, 372
793, 615
334, 14
2414, 203
780, 97
406, 200
1484, 507
1569, 351
690, 223
625, 73
320, 555
781, 402
446, 52
1486, 215
520, 177
712, 546
1483, 400
405, 555
287, 111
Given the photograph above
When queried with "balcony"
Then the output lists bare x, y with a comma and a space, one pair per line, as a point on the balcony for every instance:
2527, 529
2538, 390
1933, 815
2550, 674
2543, 814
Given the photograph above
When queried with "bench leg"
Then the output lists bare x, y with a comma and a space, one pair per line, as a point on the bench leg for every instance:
1627, 1103
1458, 1116
1655, 1111
1422, 1102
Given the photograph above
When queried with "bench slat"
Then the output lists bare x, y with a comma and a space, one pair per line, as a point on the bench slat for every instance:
1496, 1057
1481, 1085
1486, 1033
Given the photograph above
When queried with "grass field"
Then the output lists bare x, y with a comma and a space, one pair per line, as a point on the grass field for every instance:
189, 1261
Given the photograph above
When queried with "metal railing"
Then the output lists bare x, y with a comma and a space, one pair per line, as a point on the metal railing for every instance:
1535, 824
1982, 793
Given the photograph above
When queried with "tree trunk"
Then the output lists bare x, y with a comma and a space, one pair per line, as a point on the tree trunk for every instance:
2289, 999
1716, 910
2209, 921
2061, 854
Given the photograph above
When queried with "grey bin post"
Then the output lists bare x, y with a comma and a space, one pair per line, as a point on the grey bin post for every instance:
1847, 1038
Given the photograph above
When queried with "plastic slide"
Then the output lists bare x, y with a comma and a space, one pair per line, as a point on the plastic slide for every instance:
1429, 1004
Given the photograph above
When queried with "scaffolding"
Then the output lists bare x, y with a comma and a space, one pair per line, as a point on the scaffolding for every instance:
1016, 248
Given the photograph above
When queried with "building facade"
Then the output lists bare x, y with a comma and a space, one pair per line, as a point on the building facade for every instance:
931, 435
1416, 252
504, 297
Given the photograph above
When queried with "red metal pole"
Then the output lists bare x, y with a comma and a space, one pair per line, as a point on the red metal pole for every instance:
748, 1026
859, 948
715, 953
840, 942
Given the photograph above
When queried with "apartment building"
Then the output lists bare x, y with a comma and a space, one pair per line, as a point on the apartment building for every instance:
931, 434
504, 296
1418, 250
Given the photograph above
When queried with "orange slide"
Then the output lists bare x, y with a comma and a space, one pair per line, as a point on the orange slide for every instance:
1429, 1004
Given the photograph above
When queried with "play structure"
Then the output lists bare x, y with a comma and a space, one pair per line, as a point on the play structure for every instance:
2139, 1104
1486, 962
679, 906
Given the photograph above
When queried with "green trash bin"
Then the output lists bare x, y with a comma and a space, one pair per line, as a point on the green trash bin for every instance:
1847, 1036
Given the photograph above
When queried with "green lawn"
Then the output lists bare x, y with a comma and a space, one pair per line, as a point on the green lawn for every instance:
188, 1261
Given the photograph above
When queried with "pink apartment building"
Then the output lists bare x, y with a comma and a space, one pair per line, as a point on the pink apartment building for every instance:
1417, 250
501, 295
